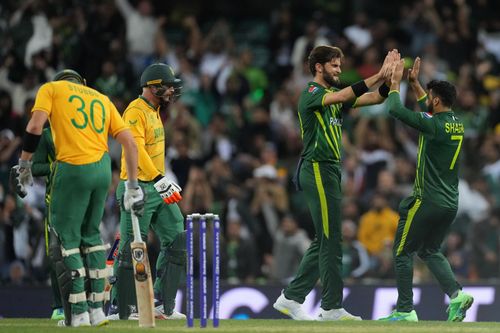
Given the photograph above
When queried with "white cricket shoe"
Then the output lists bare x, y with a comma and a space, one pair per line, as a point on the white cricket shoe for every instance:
160, 313
337, 314
97, 317
291, 308
77, 320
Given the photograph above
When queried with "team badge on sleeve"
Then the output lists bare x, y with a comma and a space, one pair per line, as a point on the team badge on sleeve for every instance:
427, 115
313, 89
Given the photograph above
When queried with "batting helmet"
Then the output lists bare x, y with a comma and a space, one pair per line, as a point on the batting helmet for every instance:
161, 75
69, 75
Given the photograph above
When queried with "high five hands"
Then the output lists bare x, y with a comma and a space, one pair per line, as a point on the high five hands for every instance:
391, 58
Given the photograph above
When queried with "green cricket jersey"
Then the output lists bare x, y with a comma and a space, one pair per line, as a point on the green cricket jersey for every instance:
439, 145
320, 125
43, 157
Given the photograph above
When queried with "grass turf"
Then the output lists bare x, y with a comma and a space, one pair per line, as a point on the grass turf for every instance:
26, 325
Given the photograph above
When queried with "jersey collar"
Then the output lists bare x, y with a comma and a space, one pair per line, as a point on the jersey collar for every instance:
149, 103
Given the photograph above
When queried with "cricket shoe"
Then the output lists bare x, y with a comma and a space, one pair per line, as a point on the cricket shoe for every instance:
291, 308
97, 317
57, 314
459, 306
160, 313
77, 320
401, 316
337, 315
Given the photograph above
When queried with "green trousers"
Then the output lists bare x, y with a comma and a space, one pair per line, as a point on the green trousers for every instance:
78, 195
421, 229
165, 220
320, 182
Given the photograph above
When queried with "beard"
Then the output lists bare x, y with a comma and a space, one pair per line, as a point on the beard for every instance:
430, 109
332, 81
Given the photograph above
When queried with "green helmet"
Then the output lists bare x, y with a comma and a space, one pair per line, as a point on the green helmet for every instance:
69, 75
161, 75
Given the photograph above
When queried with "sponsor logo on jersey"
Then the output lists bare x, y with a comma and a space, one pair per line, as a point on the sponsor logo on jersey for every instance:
132, 122
313, 89
335, 121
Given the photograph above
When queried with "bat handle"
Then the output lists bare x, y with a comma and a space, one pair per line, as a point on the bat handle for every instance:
135, 227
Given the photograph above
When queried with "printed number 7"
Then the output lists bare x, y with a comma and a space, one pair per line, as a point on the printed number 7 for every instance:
458, 138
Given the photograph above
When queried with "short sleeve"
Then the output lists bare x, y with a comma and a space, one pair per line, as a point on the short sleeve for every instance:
134, 118
44, 98
314, 97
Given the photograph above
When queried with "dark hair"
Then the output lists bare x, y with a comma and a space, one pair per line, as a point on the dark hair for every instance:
321, 55
444, 90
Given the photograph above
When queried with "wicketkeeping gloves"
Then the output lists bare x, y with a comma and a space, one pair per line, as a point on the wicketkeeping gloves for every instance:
133, 198
21, 177
168, 190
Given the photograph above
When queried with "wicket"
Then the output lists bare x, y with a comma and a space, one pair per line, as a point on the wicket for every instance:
202, 220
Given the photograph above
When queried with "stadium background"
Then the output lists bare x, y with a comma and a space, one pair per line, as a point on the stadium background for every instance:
233, 138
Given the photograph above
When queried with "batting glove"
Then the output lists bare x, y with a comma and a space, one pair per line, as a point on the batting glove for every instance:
133, 198
168, 190
21, 177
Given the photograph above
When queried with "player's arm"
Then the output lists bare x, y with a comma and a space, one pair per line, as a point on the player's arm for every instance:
359, 90
416, 87
418, 120
136, 121
41, 161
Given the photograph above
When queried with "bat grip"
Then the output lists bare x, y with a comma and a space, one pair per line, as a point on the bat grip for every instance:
135, 227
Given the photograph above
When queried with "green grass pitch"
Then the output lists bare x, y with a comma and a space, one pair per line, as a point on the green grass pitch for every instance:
256, 326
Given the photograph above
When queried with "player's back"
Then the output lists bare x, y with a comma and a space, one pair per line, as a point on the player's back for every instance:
439, 168
80, 118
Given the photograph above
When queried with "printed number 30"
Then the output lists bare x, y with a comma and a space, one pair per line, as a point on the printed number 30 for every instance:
81, 109
458, 138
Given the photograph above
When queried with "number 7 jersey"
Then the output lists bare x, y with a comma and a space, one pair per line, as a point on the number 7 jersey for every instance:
81, 119
439, 145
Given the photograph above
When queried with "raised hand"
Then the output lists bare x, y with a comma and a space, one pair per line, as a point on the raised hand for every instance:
413, 72
391, 57
397, 71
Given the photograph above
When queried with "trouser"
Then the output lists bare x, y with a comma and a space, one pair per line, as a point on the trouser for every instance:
78, 195
54, 284
167, 223
421, 229
320, 182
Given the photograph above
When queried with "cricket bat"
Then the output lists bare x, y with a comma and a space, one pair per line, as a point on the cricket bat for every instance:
142, 277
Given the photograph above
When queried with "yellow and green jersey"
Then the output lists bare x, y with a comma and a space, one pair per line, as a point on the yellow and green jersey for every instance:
80, 119
147, 129
320, 125
439, 144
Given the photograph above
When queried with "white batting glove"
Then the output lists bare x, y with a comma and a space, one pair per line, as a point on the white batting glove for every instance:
168, 190
133, 198
21, 177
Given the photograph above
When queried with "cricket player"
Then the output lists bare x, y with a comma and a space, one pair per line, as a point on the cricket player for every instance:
43, 157
161, 213
81, 119
426, 215
318, 175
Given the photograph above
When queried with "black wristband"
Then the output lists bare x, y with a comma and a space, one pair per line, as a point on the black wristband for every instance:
383, 90
359, 88
158, 178
30, 142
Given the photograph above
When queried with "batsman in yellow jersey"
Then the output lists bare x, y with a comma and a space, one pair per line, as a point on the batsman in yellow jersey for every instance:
161, 213
81, 119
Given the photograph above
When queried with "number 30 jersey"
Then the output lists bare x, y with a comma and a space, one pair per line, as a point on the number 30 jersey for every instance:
80, 118
439, 145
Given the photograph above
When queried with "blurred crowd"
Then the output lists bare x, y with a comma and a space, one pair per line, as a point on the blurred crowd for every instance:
233, 138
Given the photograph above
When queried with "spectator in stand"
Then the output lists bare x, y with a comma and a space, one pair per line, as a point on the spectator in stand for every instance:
378, 225
240, 253
290, 244
486, 247
355, 259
